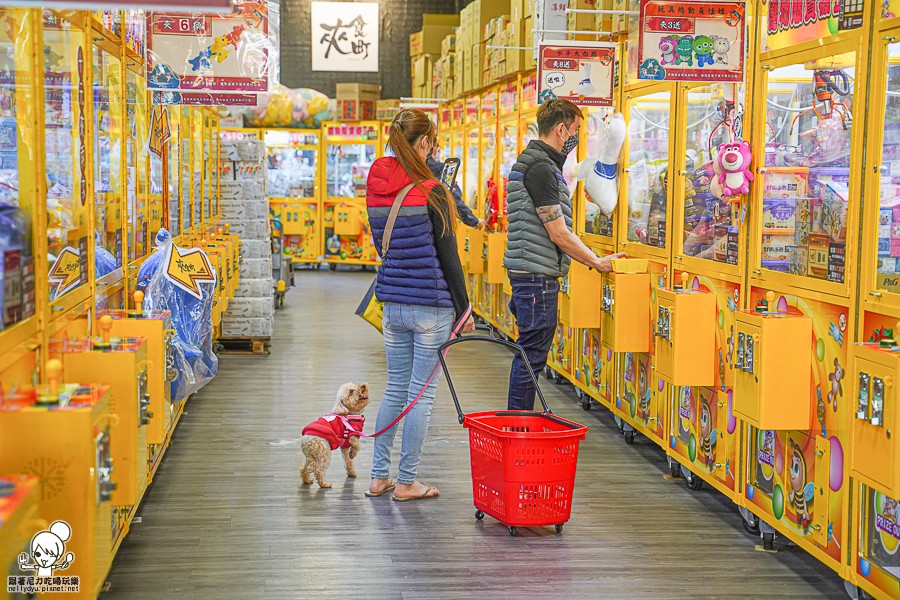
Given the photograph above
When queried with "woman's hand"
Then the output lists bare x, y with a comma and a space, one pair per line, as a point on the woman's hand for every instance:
469, 325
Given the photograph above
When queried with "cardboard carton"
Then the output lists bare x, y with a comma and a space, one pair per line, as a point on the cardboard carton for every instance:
356, 101
484, 11
387, 109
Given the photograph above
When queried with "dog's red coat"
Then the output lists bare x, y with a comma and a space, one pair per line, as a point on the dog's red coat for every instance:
336, 429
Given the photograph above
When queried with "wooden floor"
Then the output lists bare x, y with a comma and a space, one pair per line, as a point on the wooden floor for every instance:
227, 516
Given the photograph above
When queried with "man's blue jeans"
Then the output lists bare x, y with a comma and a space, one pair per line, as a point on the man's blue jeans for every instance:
534, 302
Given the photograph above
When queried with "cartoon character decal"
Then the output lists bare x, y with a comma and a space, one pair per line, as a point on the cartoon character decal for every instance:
595, 375
801, 492
685, 51
643, 387
837, 389
667, 47
703, 48
48, 550
708, 433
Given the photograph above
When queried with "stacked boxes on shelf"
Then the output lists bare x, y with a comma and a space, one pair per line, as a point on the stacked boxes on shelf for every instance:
493, 66
444, 76
425, 50
385, 110
480, 27
244, 206
356, 101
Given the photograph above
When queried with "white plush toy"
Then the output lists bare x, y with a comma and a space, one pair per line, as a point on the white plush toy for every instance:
600, 172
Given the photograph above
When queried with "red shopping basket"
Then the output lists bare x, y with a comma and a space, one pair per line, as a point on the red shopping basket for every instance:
523, 462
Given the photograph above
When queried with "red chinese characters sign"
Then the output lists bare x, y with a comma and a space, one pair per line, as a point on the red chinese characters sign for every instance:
692, 40
792, 22
582, 72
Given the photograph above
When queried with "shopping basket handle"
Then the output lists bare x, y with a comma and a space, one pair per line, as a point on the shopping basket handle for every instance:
486, 327
525, 413
481, 338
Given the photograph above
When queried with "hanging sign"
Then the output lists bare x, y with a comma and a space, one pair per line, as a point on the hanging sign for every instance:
344, 36
66, 271
684, 40
224, 53
581, 72
187, 268
209, 99
788, 22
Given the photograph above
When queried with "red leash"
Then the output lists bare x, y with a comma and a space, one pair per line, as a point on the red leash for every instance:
455, 331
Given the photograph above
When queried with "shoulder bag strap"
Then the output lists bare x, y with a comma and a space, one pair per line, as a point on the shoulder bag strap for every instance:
392, 218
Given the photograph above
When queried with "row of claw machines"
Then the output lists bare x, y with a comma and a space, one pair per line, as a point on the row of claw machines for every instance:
317, 189
88, 392
760, 346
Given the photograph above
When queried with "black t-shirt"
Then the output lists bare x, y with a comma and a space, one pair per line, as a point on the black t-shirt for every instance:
540, 180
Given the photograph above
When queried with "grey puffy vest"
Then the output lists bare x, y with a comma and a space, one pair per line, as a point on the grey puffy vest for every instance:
528, 245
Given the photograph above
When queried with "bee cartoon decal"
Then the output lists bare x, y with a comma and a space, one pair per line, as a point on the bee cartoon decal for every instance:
643, 386
801, 492
708, 435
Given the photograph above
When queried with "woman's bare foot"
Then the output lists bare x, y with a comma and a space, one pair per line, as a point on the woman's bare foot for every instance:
380, 486
415, 489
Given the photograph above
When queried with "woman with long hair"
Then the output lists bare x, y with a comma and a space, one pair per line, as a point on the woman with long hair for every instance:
422, 285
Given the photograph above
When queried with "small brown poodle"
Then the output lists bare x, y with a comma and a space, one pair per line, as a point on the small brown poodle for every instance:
340, 429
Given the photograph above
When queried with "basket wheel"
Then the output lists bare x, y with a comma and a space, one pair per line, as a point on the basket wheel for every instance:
479, 515
559, 528
513, 530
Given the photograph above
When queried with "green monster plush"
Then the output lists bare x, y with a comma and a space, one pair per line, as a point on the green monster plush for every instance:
684, 53
703, 47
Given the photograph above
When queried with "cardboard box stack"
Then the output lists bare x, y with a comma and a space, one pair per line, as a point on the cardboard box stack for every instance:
494, 60
244, 205
445, 75
385, 110
518, 33
475, 28
426, 49
356, 101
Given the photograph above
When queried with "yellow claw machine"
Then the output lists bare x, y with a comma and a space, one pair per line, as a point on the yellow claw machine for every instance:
350, 149
871, 399
644, 232
708, 231
508, 152
293, 162
594, 367
488, 208
808, 122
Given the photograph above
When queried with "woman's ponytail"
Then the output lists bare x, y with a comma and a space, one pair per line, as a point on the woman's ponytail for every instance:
407, 129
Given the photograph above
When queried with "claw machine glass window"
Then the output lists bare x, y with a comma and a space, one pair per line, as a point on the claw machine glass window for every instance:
291, 165
472, 162
187, 197
888, 252
137, 165
509, 152
488, 158
65, 88
197, 187
108, 222
173, 171
596, 221
17, 193
807, 178
648, 164
347, 168
207, 168
710, 227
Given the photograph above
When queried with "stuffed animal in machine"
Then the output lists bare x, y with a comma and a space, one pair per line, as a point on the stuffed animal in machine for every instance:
600, 172
733, 164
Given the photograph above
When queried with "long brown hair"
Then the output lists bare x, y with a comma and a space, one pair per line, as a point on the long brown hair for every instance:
407, 129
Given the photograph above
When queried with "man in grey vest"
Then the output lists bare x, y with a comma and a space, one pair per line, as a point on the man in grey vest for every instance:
540, 241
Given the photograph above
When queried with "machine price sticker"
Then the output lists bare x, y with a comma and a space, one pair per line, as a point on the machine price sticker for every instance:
581, 72
682, 40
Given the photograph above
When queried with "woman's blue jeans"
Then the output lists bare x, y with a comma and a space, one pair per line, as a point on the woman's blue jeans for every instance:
412, 335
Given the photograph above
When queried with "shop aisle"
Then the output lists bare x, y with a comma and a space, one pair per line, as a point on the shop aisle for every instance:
227, 515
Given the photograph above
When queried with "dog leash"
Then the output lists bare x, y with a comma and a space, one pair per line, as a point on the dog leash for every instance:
455, 332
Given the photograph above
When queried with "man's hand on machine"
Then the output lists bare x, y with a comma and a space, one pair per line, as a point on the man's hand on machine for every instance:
604, 264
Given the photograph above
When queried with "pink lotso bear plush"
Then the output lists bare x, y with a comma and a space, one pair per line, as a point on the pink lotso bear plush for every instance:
733, 165
667, 47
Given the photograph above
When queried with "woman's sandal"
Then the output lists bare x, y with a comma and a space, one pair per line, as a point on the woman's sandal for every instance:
424, 496
389, 487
